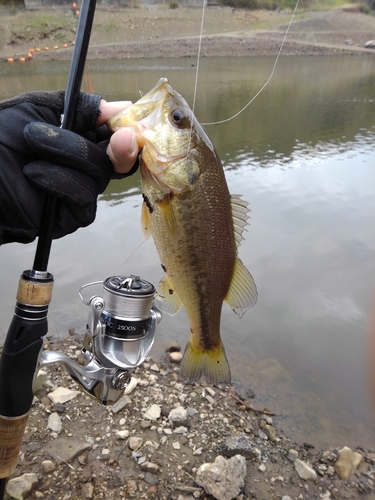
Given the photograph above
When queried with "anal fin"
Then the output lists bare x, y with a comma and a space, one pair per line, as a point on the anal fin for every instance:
242, 294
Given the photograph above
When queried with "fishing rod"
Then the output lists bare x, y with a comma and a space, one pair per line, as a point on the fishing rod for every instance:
23, 343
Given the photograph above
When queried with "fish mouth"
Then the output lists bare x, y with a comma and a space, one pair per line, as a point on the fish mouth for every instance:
143, 112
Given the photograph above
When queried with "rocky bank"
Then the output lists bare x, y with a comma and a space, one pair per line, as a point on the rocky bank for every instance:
168, 440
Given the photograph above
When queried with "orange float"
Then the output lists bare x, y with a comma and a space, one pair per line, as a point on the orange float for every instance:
77, 12
29, 55
37, 49
74, 5
46, 48
55, 47
31, 51
22, 59
10, 59
65, 45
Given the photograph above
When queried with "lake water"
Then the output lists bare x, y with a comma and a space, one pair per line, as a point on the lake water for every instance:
303, 155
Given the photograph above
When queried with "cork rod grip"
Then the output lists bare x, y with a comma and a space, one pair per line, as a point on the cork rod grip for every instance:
11, 435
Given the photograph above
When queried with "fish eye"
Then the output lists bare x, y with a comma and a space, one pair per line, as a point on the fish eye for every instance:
177, 116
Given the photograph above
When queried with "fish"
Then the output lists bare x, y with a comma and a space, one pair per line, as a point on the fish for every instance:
195, 223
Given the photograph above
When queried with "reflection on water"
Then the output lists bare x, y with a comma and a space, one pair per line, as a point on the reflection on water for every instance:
303, 156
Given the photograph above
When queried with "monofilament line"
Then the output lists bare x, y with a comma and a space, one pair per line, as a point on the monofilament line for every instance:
197, 70
269, 78
199, 55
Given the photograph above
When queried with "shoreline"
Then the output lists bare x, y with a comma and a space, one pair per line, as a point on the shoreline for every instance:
161, 32
76, 448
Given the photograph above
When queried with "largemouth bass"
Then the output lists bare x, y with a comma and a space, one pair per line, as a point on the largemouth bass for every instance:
195, 223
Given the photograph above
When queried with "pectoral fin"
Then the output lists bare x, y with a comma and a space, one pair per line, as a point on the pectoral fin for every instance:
242, 294
166, 211
166, 298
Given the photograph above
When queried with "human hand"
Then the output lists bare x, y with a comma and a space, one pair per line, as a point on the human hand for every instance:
71, 165
122, 148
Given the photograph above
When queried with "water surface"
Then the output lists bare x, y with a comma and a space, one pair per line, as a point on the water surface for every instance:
303, 156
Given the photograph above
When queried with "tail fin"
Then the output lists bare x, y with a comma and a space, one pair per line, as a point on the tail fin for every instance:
212, 364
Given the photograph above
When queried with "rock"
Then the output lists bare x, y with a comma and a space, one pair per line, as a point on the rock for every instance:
153, 413
330, 471
262, 468
304, 470
365, 486
65, 449
180, 430
178, 416
122, 434
150, 467
370, 44
87, 490
20, 487
270, 431
175, 357
347, 462
59, 407
292, 455
210, 391
135, 443
173, 347
131, 488
151, 479
198, 451
47, 466
131, 386
224, 478
155, 368
120, 404
238, 445
62, 395
176, 445
54, 423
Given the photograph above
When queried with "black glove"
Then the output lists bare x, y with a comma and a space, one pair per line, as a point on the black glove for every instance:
37, 157
72, 168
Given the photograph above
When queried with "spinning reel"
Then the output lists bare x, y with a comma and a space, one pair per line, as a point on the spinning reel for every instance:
119, 335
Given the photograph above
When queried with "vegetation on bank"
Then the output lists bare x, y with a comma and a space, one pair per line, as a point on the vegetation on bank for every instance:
363, 5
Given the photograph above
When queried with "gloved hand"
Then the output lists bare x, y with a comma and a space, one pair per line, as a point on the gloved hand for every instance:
37, 157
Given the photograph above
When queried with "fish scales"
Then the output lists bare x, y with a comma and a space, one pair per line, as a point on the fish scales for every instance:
199, 259
195, 223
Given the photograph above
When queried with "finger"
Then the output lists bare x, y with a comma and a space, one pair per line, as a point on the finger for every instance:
110, 109
123, 150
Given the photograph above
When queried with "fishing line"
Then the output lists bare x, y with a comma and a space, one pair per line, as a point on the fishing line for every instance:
197, 72
265, 84
199, 54
131, 255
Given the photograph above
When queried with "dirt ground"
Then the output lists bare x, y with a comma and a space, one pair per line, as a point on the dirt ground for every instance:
80, 449
158, 31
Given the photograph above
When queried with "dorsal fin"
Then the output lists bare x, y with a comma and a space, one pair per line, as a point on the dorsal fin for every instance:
240, 210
